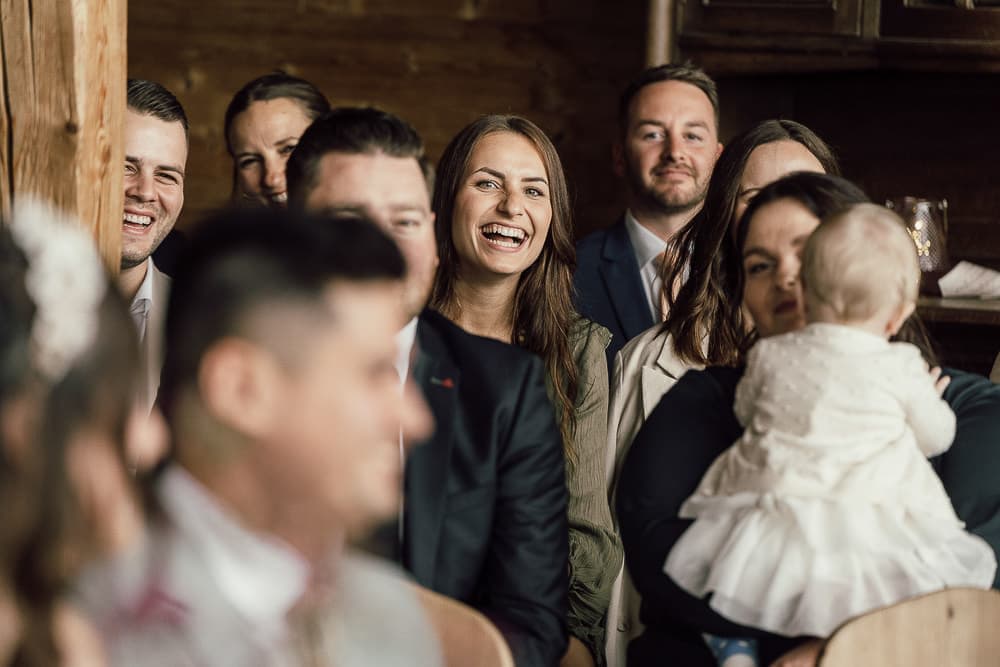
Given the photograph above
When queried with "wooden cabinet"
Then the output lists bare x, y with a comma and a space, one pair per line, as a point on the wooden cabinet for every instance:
776, 17
965, 332
781, 36
967, 20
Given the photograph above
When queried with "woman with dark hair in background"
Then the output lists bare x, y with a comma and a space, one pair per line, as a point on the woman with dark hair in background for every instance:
694, 423
505, 239
263, 124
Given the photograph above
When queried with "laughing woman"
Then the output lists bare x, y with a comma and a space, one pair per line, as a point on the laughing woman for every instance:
505, 240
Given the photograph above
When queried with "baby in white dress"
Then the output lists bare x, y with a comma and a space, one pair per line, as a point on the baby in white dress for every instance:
827, 507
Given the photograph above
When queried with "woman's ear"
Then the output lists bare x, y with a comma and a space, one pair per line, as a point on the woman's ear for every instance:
902, 314
241, 385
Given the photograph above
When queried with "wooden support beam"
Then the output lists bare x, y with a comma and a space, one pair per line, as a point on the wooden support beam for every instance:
62, 105
660, 33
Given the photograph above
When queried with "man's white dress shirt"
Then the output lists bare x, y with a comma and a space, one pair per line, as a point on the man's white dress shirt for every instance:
142, 302
648, 247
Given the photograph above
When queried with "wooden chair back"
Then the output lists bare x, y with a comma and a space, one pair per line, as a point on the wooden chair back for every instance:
468, 639
957, 627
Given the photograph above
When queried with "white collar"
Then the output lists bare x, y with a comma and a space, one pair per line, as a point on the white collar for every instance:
146, 287
261, 576
405, 339
646, 244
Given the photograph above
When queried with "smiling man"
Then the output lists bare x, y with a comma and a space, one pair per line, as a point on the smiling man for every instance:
666, 149
286, 415
156, 148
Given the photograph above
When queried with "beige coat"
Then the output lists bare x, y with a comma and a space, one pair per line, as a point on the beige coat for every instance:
644, 370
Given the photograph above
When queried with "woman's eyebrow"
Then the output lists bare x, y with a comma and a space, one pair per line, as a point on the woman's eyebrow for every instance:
492, 172
756, 251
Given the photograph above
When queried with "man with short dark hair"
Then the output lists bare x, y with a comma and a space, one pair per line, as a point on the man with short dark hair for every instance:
484, 511
666, 149
286, 414
156, 149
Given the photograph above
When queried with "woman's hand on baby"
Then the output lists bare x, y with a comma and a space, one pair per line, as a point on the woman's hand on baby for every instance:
940, 381
803, 655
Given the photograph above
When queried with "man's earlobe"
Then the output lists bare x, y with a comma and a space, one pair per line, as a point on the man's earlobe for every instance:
239, 385
718, 150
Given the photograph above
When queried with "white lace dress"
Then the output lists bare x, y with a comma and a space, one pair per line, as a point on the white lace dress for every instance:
827, 506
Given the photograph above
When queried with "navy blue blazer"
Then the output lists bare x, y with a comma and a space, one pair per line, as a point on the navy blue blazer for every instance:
485, 498
608, 286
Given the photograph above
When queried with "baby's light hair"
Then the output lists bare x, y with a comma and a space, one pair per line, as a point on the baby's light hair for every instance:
858, 262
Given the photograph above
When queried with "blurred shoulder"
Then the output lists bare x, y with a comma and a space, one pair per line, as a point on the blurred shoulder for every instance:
372, 595
76, 639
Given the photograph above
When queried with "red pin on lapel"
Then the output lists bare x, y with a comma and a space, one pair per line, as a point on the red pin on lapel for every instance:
447, 383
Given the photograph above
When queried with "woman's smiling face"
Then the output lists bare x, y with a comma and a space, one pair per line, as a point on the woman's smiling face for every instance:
262, 137
502, 208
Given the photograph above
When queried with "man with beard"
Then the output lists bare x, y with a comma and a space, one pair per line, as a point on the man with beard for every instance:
156, 148
667, 145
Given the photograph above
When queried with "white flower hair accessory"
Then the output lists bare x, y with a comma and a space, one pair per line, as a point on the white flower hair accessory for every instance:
66, 281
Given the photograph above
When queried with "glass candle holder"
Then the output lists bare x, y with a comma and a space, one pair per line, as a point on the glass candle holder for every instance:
927, 222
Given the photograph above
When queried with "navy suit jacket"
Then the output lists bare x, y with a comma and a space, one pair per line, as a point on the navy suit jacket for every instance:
485, 500
608, 286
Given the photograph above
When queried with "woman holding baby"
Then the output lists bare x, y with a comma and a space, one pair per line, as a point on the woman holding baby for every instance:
832, 428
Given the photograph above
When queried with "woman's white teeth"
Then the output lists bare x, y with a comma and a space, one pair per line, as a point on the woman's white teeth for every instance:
502, 230
138, 219
504, 236
501, 235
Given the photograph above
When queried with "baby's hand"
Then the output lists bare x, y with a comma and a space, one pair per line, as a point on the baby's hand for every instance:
803, 655
940, 381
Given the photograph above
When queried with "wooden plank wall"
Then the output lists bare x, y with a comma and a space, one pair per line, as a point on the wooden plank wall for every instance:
898, 133
930, 134
62, 101
437, 63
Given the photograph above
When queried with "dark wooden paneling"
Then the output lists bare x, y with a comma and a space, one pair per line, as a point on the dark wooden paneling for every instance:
921, 20
775, 17
933, 135
438, 63
969, 348
903, 133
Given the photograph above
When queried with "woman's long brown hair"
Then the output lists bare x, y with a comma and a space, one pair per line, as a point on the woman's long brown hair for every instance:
543, 303
705, 319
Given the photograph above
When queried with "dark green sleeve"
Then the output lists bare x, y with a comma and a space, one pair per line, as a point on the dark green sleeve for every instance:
595, 552
970, 468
